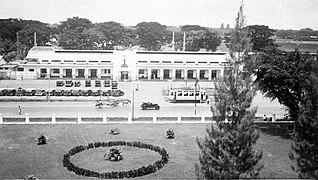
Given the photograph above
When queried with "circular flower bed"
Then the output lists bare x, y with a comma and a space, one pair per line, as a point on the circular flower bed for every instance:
144, 170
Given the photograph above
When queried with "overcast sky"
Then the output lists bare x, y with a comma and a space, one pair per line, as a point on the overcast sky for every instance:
277, 14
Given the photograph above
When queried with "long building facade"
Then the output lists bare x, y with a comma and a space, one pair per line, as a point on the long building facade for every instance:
44, 62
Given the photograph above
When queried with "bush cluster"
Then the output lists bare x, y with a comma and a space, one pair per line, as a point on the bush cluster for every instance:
169, 134
144, 170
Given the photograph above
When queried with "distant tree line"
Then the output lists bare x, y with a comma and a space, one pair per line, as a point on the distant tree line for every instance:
305, 34
17, 36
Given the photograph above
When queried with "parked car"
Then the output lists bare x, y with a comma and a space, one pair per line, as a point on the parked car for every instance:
59, 83
97, 83
149, 105
69, 83
77, 83
59, 92
39, 92
114, 84
88, 83
30, 92
106, 83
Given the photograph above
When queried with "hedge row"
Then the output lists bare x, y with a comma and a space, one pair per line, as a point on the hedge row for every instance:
144, 170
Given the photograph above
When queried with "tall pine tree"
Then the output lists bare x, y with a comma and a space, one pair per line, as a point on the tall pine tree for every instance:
227, 149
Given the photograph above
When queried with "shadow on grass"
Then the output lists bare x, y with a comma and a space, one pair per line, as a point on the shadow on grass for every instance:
283, 130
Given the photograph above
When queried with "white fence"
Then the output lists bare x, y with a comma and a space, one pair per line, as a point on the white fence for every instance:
105, 120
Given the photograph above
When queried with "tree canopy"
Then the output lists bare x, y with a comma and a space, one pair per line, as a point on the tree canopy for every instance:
151, 35
261, 37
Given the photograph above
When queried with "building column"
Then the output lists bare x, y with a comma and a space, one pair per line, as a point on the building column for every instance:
161, 74
73, 73
210, 74
220, 73
198, 74
173, 74
86, 73
186, 74
99, 73
149, 73
48, 72
61, 72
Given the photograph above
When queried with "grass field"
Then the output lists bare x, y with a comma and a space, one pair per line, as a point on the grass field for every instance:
20, 155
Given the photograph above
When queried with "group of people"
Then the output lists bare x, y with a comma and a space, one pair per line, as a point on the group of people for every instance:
265, 118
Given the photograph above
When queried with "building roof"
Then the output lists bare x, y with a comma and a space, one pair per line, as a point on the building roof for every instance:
43, 48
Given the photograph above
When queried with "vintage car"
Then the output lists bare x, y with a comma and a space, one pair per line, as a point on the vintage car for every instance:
29, 92
69, 83
97, 83
39, 92
59, 83
106, 83
114, 84
149, 105
77, 84
59, 92
88, 83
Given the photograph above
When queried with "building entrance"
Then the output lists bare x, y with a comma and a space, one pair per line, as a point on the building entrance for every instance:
93, 73
80, 73
68, 73
124, 75
166, 74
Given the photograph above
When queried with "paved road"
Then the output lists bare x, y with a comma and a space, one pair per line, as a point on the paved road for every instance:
147, 91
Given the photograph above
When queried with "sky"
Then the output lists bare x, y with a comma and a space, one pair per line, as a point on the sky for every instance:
277, 14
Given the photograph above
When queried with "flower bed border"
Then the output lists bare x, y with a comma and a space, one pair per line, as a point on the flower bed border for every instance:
144, 170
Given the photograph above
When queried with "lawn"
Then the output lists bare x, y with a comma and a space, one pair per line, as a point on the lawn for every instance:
20, 155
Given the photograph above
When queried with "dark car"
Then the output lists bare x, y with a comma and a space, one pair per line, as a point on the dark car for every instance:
69, 83
106, 83
114, 84
59, 83
88, 83
149, 105
97, 83
77, 84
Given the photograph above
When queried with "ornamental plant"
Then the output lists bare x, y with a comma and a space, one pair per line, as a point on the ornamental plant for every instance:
227, 149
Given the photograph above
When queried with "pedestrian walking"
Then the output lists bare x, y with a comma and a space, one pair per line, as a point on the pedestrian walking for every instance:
19, 110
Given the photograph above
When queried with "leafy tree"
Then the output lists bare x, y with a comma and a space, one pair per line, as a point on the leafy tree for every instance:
305, 147
202, 39
8, 36
283, 76
151, 35
188, 28
71, 33
292, 79
113, 33
227, 150
261, 37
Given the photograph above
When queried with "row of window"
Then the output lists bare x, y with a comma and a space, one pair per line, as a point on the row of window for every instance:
57, 71
74, 61
179, 62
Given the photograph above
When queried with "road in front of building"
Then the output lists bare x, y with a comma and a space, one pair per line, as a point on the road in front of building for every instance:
151, 91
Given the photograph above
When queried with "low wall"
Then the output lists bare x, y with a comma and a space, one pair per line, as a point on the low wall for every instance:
104, 120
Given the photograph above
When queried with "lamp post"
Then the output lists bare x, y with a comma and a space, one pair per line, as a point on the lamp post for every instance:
133, 102
195, 96
49, 77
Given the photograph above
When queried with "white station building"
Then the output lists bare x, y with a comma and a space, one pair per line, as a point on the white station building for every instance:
42, 62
